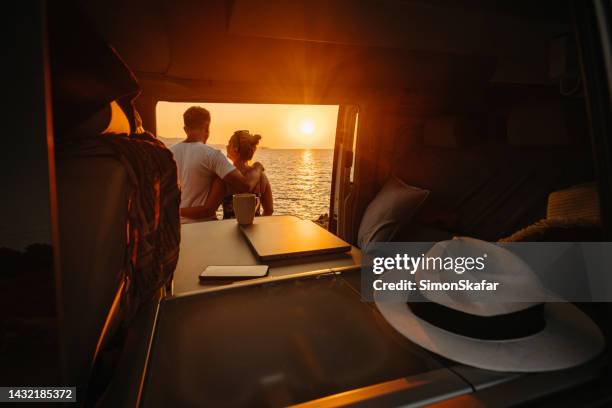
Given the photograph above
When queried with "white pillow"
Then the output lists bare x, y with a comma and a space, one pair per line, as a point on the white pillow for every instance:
393, 206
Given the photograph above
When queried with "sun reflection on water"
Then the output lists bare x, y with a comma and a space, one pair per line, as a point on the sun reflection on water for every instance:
307, 158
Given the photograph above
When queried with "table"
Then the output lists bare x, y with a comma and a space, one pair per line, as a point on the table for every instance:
299, 336
222, 243
282, 342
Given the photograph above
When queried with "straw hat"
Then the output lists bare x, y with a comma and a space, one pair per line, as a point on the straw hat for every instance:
490, 331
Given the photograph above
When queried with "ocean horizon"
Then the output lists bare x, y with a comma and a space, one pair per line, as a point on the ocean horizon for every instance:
169, 141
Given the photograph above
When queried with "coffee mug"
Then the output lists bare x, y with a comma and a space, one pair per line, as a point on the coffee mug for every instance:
245, 207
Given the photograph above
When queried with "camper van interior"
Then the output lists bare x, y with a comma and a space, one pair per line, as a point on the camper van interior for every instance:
482, 119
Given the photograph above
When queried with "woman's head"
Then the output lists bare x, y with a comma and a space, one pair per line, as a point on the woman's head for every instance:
242, 145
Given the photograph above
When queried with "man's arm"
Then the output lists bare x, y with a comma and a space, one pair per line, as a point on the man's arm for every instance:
234, 178
213, 200
241, 183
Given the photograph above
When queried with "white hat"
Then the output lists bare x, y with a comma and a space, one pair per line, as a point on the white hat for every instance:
468, 327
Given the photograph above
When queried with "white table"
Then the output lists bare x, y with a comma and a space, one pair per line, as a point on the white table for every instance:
222, 243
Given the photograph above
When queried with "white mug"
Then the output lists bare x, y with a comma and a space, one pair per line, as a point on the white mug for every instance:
245, 207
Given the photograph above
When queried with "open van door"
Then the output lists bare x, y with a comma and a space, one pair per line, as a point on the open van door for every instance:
342, 173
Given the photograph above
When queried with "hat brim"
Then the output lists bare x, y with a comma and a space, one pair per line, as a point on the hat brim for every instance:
570, 338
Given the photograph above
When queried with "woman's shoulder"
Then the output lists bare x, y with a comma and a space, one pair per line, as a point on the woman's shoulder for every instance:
263, 181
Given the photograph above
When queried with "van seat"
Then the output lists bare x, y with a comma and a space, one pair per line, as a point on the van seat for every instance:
492, 186
92, 207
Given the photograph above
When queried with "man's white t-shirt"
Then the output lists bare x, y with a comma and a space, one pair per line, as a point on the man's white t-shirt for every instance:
197, 165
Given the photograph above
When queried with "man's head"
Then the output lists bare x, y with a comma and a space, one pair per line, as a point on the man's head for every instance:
197, 123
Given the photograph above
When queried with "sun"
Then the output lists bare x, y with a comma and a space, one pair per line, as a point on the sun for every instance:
307, 127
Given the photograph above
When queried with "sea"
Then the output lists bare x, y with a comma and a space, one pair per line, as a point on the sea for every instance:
300, 179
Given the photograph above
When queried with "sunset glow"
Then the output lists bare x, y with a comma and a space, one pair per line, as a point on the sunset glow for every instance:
281, 126
307, 127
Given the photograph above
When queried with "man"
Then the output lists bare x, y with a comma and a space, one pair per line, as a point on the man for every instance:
199, 165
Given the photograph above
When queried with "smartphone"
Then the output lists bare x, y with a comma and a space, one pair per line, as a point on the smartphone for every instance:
228, 272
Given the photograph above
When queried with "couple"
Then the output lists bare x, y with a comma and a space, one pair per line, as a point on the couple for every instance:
207, 177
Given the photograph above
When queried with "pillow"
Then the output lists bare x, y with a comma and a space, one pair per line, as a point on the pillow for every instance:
393, 206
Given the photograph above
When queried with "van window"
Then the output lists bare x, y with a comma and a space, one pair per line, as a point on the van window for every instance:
296, 147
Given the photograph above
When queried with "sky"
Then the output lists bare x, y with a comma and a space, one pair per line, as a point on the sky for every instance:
281, 126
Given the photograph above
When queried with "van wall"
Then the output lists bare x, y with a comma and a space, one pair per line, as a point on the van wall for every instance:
488, 189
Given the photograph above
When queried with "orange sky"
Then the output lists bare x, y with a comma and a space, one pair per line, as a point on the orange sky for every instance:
281, 126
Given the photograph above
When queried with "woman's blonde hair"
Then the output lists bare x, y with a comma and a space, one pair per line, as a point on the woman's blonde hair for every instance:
245, 143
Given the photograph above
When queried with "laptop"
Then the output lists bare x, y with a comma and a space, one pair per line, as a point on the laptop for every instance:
290, 237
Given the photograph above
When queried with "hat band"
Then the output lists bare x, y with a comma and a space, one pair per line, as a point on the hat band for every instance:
513, 325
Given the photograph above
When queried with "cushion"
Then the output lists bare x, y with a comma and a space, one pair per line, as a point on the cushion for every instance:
393, 206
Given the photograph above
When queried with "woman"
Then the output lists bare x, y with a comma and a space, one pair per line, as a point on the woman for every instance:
240, 150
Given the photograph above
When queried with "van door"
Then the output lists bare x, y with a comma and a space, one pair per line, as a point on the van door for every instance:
343, 171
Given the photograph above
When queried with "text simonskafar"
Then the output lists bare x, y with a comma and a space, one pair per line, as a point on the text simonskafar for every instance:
428, 285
